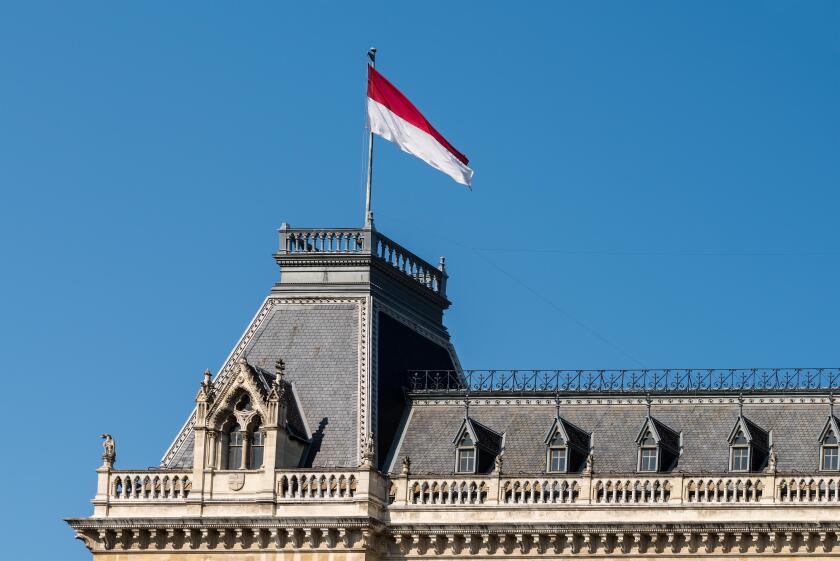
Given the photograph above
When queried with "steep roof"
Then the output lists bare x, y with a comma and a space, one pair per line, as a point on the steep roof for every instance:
319, 343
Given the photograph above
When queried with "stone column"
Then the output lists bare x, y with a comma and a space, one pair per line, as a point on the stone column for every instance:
246, 450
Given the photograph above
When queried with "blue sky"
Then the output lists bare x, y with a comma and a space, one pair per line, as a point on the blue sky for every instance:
656, 184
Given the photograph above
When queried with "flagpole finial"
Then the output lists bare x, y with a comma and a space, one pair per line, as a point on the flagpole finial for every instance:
372, 55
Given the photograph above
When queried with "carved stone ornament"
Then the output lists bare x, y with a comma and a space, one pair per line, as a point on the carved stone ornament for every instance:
236, 481
771, 462
368, 452
590, 460
109, 455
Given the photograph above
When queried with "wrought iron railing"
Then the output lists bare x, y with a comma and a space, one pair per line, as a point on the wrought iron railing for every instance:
624, 381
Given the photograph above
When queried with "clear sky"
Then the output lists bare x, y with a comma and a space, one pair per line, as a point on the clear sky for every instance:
656, 184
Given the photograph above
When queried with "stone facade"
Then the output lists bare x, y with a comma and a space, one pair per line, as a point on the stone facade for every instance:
314, 441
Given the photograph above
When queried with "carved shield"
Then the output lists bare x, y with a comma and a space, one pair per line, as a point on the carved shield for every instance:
236, 481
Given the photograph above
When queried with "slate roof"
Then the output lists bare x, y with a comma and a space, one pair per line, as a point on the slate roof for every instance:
319, 343
796, 429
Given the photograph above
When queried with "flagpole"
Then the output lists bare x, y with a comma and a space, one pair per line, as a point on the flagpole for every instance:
369, 213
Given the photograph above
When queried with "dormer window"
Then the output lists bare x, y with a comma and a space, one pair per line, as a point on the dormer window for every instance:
558, 455
476, 447
648, 453
566, 447
466, 455
749, 446
829, 445
659, 446
739, 453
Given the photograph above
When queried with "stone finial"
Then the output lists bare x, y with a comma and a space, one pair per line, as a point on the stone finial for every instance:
368, 451
109, 454
442, 264
207, 377
278, 387
406, 465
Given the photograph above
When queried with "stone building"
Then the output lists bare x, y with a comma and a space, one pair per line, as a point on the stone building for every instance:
342, 426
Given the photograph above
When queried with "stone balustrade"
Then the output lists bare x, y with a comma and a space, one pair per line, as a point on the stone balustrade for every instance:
539, 491
149, 485
725, 490
637, 490
304, 243
472, 491
124, 487
316, 486
808, 490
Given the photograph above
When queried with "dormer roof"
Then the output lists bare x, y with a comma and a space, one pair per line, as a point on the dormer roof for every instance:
571, 434
832, 424
754, 434
662, 434
484, 437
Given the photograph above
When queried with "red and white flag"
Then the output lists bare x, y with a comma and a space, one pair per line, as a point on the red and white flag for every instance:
393, 117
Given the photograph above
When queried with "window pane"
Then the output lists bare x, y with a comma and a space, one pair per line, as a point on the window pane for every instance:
740, 459
234, 459
256, 457
647, 460
557, 459
466, 460
830, 457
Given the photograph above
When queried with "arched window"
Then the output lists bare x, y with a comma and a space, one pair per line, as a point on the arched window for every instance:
234, 447
256, 445
830, 460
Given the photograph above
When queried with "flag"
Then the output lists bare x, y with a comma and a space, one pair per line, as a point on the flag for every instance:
393, 117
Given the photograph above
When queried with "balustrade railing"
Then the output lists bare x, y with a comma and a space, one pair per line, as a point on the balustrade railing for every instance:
631, 491
316, 486
539, 491
448, 491
724, 490
125, 487
363, 241
809, 490
150, 486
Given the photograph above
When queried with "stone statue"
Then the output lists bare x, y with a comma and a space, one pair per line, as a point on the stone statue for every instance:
590, 460
497, 467
368, 452
406, 465
109, 456
771, 461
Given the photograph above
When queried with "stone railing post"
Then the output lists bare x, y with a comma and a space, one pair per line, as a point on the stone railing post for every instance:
768, 494
400, 489
494, 491
585, 494
677, 489
102, 500
371, 485
369, 243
